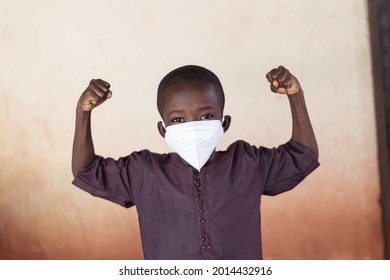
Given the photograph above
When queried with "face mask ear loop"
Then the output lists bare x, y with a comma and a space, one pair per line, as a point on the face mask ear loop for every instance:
223, 119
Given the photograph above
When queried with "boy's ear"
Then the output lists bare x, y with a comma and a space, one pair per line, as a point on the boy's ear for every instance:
226, 123
161, 129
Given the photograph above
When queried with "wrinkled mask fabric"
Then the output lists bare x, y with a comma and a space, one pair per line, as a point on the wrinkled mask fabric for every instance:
194, 141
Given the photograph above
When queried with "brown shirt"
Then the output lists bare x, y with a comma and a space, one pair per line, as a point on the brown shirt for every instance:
211, 214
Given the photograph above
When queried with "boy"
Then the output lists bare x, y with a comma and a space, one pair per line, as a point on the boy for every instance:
196, 203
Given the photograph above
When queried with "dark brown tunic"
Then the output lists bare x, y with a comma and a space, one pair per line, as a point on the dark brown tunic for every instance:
211, 214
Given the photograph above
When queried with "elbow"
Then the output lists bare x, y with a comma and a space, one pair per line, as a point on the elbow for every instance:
317, 156
75, 171
316, 152
313, 146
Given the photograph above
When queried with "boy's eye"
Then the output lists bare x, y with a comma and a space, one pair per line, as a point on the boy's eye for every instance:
207, 116
177, 120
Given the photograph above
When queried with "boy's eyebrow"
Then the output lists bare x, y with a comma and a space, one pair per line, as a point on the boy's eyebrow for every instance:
181, 111
178, 111
206, 108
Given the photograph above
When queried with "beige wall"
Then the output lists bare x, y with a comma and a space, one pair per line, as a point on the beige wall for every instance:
50, 50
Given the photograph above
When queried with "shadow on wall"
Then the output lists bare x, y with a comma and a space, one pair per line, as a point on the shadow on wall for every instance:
40, 219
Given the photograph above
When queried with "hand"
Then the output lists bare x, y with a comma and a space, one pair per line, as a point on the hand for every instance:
283, 82
95, 94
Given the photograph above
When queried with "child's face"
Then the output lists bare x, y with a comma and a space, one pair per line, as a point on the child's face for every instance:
187, 102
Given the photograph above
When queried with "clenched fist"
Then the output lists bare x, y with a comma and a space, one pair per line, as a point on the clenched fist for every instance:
283, 82
95, 94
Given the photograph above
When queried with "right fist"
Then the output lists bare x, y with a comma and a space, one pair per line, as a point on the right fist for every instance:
95, 94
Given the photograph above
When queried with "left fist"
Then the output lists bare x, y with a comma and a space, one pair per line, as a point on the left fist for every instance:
283, 82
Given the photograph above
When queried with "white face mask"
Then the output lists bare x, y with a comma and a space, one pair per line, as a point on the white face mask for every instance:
194, 141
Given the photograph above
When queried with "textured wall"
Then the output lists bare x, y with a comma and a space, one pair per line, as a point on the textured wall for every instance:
51, 49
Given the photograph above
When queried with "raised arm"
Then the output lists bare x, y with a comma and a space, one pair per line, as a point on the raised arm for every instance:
283, 82
95, 94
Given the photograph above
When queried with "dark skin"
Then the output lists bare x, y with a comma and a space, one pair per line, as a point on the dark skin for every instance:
186, 102
97, 92
283, 82
190, 102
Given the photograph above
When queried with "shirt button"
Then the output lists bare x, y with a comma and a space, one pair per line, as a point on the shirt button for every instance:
203, 239
199, 192
203, 247
201, 210
200, 201
208, 247
203, 221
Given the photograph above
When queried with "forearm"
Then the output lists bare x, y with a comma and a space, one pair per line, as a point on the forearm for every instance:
83, 149
302, 130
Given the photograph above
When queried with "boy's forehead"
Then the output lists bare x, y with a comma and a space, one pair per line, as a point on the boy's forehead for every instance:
190, 94
190, 91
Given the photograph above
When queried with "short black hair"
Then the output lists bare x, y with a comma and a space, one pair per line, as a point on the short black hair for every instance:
189, 73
